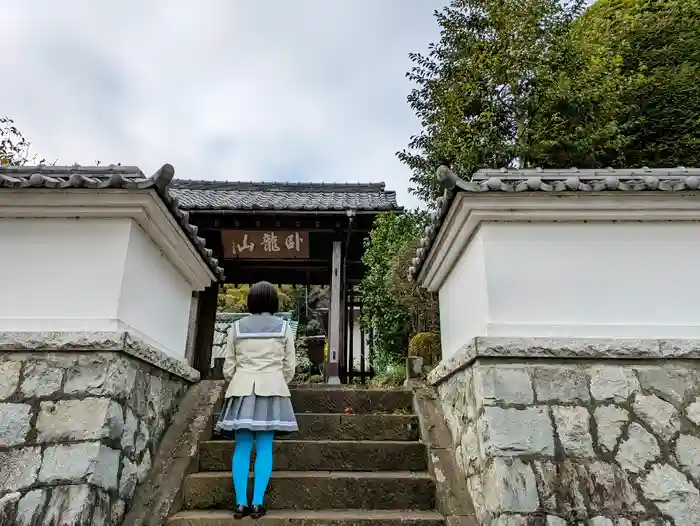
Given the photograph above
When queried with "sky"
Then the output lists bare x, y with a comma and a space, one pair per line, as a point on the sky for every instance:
238, 90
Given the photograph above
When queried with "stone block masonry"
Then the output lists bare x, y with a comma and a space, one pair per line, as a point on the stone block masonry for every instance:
604, 432
80, 419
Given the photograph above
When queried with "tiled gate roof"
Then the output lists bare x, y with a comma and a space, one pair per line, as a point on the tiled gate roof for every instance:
223, 195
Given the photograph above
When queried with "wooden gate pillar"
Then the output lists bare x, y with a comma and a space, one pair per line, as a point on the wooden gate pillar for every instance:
204, 339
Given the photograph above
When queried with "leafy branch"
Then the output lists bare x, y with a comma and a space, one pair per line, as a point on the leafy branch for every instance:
15, 150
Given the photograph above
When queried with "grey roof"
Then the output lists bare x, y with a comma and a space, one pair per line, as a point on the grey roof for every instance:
553, 181
105, 178
229, 195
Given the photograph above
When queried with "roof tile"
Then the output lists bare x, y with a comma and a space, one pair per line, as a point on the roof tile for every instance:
216, 195
109, 177
551, 181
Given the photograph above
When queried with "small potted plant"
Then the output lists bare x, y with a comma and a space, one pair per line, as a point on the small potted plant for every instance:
315, 341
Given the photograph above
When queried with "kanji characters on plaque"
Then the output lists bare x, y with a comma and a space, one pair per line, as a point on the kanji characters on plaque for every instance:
266, 244
269, 242
293, 241
237, 249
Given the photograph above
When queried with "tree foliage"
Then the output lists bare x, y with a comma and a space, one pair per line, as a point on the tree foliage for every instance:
393, 308
574, 104
15, 150
655, 46
420, 305
234, 299
473, 87
621, 89
543, 83
427, 346
314, 328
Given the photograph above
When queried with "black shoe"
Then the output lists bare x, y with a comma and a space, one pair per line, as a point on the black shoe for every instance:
241, 511
257, 511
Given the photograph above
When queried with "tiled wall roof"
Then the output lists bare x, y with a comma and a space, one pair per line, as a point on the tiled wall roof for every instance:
105, 178
550, 181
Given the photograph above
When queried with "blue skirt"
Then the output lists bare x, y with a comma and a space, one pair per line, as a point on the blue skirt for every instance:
257, 413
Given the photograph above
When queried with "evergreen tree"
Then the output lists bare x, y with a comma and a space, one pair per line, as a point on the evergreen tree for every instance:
473, 94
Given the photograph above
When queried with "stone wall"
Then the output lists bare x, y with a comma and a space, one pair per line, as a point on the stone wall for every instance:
602, 432
80, 419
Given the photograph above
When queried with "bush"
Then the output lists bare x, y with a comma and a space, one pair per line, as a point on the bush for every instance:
427, 346
420, 305
393, 376
393, 308
235, 299
314, 328
303, 368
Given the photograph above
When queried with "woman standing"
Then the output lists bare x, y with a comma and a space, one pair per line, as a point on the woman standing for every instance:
260, 362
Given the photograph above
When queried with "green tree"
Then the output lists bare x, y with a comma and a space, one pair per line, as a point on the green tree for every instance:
653, 48
474, 85
384, 310
574, 104
420, 305
234, 299
289, 296
15, 150
532, 83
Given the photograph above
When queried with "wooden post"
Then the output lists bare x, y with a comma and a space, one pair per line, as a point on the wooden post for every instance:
206, 318
335, 327
192, 329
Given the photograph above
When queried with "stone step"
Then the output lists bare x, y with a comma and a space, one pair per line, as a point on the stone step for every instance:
359, 401
317, 490
311, 518
334, 426
326, 455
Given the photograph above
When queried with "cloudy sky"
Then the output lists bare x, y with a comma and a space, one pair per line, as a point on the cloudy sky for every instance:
272, 90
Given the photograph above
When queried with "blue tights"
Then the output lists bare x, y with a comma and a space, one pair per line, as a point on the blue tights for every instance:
241, 464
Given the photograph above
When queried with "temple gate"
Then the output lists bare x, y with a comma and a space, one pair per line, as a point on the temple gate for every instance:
286, 233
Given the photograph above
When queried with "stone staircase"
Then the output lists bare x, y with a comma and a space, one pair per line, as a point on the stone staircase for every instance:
364, 468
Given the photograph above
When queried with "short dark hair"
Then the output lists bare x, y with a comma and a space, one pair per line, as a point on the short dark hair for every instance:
263, 298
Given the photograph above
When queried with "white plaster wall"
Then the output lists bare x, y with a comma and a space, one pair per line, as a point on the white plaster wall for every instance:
61, 274
598, 279
357, 343
464, 302
155, 298
91, 275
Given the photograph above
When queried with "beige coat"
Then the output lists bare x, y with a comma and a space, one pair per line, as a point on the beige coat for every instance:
265, 365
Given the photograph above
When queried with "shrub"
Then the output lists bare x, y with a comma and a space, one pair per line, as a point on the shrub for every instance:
420, 305
393, 376
314, 328
392, 307
427, 346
